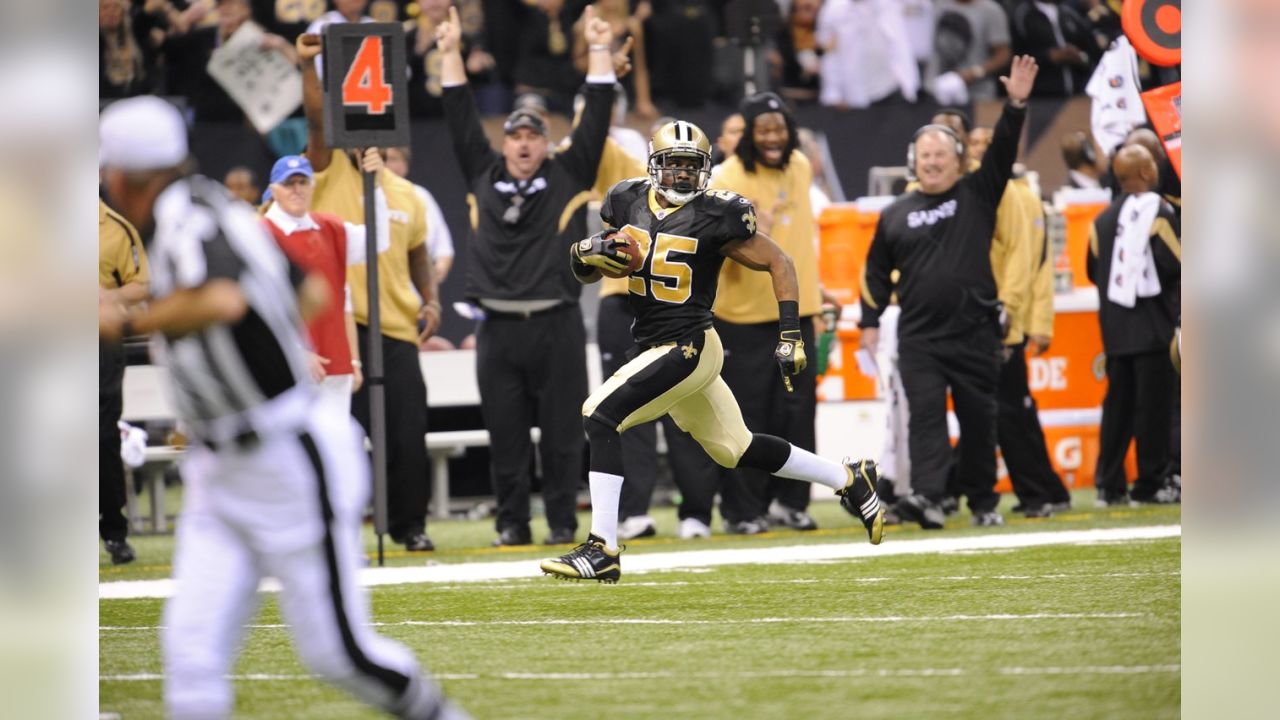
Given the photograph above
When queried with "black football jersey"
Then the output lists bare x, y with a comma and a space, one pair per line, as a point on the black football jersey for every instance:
675, 287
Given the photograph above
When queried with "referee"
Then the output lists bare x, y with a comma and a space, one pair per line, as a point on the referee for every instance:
938, 238
526, 210
275, 483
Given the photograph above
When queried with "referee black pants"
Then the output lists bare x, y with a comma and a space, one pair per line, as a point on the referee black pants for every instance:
532, 372
1021, 438
112, 524
1138, 406
695, 475
408, 474
752, 374
970, 366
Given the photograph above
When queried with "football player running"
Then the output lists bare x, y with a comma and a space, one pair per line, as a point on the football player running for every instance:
684, 234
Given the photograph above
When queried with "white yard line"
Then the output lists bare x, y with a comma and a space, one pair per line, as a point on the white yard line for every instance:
730, 621
665, 561
752, 674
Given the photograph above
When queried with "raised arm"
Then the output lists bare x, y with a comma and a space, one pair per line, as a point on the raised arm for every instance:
470, 145
586, 144
318, 151
997, 165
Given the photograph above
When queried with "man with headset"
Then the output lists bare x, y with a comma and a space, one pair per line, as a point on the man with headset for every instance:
938, 238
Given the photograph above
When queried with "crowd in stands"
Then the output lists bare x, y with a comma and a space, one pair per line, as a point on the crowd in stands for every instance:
843, 53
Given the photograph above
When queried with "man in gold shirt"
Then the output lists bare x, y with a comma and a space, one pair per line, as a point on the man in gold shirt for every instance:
768, 169
1035, 482
122, 280
407, 296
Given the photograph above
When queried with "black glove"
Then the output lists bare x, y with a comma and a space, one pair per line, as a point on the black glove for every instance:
606, 250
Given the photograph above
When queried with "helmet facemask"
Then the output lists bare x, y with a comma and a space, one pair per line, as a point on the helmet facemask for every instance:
687, 180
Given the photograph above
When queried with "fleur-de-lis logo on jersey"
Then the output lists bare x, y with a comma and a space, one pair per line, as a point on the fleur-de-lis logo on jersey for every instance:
689, 351
749, 219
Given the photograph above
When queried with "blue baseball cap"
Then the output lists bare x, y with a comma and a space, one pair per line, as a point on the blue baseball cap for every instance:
290, 165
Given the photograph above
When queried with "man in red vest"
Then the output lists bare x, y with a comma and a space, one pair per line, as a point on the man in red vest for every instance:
325, 244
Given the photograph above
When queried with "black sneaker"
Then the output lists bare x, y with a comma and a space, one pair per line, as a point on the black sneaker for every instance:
418, 542
920, 509
990, 518
121, 551
1108, 498
1044, 511
950, 505
588, 561
561, 536
754, 526
780, 514
858, 497
511, 536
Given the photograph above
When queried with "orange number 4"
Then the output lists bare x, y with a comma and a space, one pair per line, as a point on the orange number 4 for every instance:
366, 83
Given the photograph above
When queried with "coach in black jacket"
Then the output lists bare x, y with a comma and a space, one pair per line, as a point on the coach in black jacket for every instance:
939, 240
1136, 333
531, 350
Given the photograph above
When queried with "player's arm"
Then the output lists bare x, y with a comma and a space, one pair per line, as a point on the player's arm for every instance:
759, 252
318, 151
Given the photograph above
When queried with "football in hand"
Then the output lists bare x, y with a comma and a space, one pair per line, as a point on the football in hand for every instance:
631, 248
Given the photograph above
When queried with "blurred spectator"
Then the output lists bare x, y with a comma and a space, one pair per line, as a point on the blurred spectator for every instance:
768, 169
819, 192
287, 18
866, 55
544, 65
1060, 40
188, 54
1135, 259
424, 58
628, 141
625, 25
325, 245
680, 50
799, 56
344, 11
243, 183
970, 47
730, 133
917, 18
126, 50
439, 239
122, 280
1081, 159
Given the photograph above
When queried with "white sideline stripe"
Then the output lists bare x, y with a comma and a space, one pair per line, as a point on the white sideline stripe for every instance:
667, 621
845, 673
664, 561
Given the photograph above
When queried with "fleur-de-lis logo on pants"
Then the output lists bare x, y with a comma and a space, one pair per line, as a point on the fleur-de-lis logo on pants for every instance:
689, 351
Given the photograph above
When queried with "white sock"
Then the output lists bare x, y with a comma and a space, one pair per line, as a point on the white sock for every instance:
606, 491
804, 465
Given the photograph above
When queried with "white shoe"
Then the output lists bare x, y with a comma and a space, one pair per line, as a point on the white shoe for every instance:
693, 528
637, 526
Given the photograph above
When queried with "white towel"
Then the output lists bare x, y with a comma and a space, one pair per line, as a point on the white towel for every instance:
133, 444
1133, 268
1116, 106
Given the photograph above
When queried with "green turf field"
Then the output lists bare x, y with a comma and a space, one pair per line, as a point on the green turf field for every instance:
1043, 632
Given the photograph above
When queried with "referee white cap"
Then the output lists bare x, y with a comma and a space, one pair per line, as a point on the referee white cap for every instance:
142, 133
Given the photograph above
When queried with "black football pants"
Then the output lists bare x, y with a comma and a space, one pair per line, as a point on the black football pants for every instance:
405, 403
112, 524
1021, 438
532, 372
970, 366
1138, 406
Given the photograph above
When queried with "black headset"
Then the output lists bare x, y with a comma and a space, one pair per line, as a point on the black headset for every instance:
932, 127
1086, 148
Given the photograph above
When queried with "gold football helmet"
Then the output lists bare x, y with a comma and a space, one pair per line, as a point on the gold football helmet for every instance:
679, 139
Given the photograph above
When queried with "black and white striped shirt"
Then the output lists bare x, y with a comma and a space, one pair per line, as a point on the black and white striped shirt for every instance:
235, 380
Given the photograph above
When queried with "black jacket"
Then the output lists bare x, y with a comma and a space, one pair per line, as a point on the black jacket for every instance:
1033, 35
941, 247
1148, 325
526, 259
